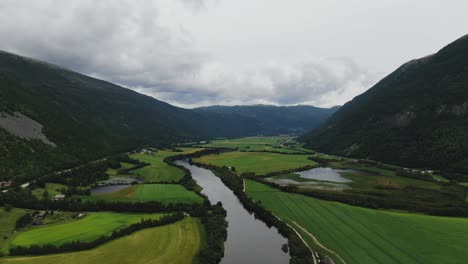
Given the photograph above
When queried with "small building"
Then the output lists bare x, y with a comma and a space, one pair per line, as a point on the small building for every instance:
5, 184
25, 185
146, 151
59, 197
37, 220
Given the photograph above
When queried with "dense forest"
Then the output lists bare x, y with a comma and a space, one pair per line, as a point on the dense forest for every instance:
417, 116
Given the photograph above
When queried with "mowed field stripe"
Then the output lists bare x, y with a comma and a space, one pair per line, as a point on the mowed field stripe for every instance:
316, 241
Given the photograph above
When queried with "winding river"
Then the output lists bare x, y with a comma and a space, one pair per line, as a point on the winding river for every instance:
249, 240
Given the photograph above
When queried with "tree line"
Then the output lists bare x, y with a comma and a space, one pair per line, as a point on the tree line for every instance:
81, 245
299, 252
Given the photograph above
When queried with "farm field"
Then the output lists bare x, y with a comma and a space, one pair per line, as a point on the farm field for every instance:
159, 171
86, 229
51, 188
114, 172
164, 193
360, 235
175, 243
256, 144
259, 163
7, 225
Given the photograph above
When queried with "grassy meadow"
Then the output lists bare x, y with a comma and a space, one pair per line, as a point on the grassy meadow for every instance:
164, 193
256, 144
51, 188
175, 243
88, 228
7, 225
259, 163
360, 235
158, 170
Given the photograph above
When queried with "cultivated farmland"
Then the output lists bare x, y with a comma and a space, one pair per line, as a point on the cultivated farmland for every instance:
164, 193
259, 163
175, 243
86, 229
360, 235
158, 170
255, 144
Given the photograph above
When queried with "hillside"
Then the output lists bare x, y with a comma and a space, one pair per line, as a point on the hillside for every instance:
278, 119
417, 116
53, 118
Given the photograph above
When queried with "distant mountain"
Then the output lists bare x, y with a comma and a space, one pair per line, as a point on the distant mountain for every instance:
278, 119
52, 118
416, 116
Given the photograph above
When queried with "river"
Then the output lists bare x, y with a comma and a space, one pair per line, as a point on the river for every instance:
249, 240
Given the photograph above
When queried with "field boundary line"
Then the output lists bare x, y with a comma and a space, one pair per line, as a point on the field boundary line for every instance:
316, 241
297, 233
303, 240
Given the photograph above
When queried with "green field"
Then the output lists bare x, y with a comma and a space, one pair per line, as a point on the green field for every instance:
257, 144
86, 229
165, 193
259, 163
7, 225
115, 172
361, 235
175, 243
158, 170
51, 188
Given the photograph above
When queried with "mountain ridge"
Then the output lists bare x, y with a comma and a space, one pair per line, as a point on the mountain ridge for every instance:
416, 116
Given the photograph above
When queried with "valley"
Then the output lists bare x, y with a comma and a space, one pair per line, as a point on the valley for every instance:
93, 172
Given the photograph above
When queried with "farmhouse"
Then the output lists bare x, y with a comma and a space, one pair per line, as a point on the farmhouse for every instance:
146, 151
37, 220
5, 184
59, 197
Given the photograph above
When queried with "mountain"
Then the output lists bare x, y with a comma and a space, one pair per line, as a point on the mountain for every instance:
53, 118
417, 116
278, 119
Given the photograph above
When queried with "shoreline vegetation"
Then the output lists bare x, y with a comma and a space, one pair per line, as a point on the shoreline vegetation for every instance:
382, 186
212, 217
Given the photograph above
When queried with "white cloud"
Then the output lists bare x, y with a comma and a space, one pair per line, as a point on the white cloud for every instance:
202, 52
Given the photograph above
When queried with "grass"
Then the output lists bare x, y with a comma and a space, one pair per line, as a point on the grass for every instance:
256, 144
7, 225
361, 235
165, 193
259, 163
114, 172
158, 170
51, 188
175, 243
86, 229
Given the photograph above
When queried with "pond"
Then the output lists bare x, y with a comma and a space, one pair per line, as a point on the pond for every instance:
325, 174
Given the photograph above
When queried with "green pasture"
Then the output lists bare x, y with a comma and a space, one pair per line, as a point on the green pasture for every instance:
158, 170
165, 193
7, 225
258, 144
259, 163
175, 243
51, 188
88, 228
361, 235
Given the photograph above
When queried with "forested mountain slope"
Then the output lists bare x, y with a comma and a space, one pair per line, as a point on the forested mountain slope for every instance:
278, 119
417, 116
52, 118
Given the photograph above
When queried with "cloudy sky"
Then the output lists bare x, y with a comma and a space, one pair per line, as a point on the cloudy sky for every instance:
196, 52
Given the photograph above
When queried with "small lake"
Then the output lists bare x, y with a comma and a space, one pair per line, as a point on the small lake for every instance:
325, 174
108, 189
249, 240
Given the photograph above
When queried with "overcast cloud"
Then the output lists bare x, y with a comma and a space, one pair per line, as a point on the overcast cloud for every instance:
196, 52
